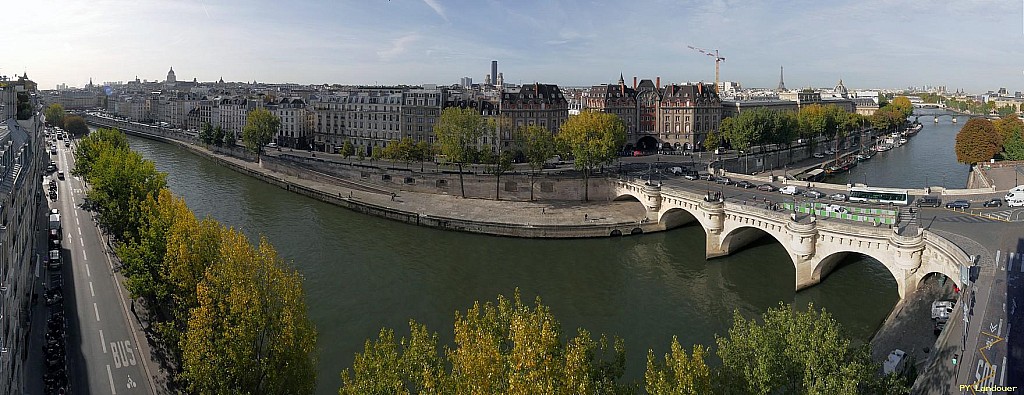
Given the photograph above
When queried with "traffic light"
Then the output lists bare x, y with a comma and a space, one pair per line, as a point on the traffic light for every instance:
954, 358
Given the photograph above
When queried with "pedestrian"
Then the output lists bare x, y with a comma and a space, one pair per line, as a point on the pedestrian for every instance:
133, 306
393, 196
543, 210
586, 217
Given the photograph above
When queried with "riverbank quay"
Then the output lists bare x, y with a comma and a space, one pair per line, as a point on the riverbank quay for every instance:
537, 219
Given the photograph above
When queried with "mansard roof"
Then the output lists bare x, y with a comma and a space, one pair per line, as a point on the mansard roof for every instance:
535, 94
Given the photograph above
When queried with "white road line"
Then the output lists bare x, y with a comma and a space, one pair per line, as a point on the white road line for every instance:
87, 273
1002, 376
79, 231
111, 378
81, 242
997, 257
76, 221
97, 310
103, 342
84, 258
91, 291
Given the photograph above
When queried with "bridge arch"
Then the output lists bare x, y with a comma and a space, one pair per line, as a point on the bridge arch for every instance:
739, 236
830, 262
678, 216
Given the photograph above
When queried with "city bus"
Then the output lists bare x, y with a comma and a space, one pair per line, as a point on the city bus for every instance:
880, 195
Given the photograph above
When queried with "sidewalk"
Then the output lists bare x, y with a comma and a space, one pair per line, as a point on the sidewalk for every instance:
39, 312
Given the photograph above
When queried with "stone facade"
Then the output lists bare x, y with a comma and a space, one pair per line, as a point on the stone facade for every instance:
21, 160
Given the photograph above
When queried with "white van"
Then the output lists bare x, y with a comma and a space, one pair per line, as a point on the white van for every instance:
1015, 202
1018, 188
789, 190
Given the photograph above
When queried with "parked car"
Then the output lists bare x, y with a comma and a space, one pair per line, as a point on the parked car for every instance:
707, 177
789, 190
691, 175
745, 184
839, 197
830, 152
930, 201
60, 174
67, 143
767, 188
942, 308
723, 180
959, 204
993, 203
813, 194
819, 155
1015, 203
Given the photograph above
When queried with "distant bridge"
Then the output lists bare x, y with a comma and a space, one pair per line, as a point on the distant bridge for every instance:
815, 247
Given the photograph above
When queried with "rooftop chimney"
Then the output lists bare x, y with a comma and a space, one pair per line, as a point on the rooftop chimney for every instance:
657, 83
634, 82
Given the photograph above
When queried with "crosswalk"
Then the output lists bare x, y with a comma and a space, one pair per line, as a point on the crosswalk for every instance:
1014, 261
1010, 215
975, 219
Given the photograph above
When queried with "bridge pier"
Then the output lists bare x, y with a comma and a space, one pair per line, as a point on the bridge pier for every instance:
804, 237
908, 253
713, 214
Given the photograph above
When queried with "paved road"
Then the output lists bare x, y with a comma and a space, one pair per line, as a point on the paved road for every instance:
103, 349
995, 323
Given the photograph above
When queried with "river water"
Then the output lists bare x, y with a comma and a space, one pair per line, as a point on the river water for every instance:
927, 160
363, 273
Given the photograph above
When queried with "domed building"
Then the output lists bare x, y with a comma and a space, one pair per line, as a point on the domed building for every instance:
170, 76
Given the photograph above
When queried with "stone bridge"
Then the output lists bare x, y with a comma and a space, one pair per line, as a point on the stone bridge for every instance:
814, 246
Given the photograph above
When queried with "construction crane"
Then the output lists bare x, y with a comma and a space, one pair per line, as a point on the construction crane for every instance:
718, 60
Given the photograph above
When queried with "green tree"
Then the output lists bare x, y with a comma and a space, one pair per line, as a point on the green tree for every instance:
54, 114
361, 153
457, 132
347, 149
90, 147
120, 181
207, 134
75, 125
229, 138
259, 130
1013, 148
794, 352
250, 332
902, 105
1007, 126
977, 141
424, 152
499, 164
503, 348
222, 138
714, 138
593, 138
679, 374
539, 146
377, 153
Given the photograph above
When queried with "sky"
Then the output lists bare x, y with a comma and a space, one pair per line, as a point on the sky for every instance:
973, 45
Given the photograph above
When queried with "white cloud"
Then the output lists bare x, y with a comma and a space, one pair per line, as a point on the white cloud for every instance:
398, 47
437, 8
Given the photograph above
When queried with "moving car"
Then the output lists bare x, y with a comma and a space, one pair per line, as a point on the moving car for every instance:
963, 204
723, 180
1015, 203
691, 175
676, 170
60, 174
707, 177
930, 201
993, 203
767, 188
789, 190
819, 155
839, 197
813, 194
745, 184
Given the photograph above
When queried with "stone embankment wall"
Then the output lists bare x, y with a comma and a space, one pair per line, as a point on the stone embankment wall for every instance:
512, 187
